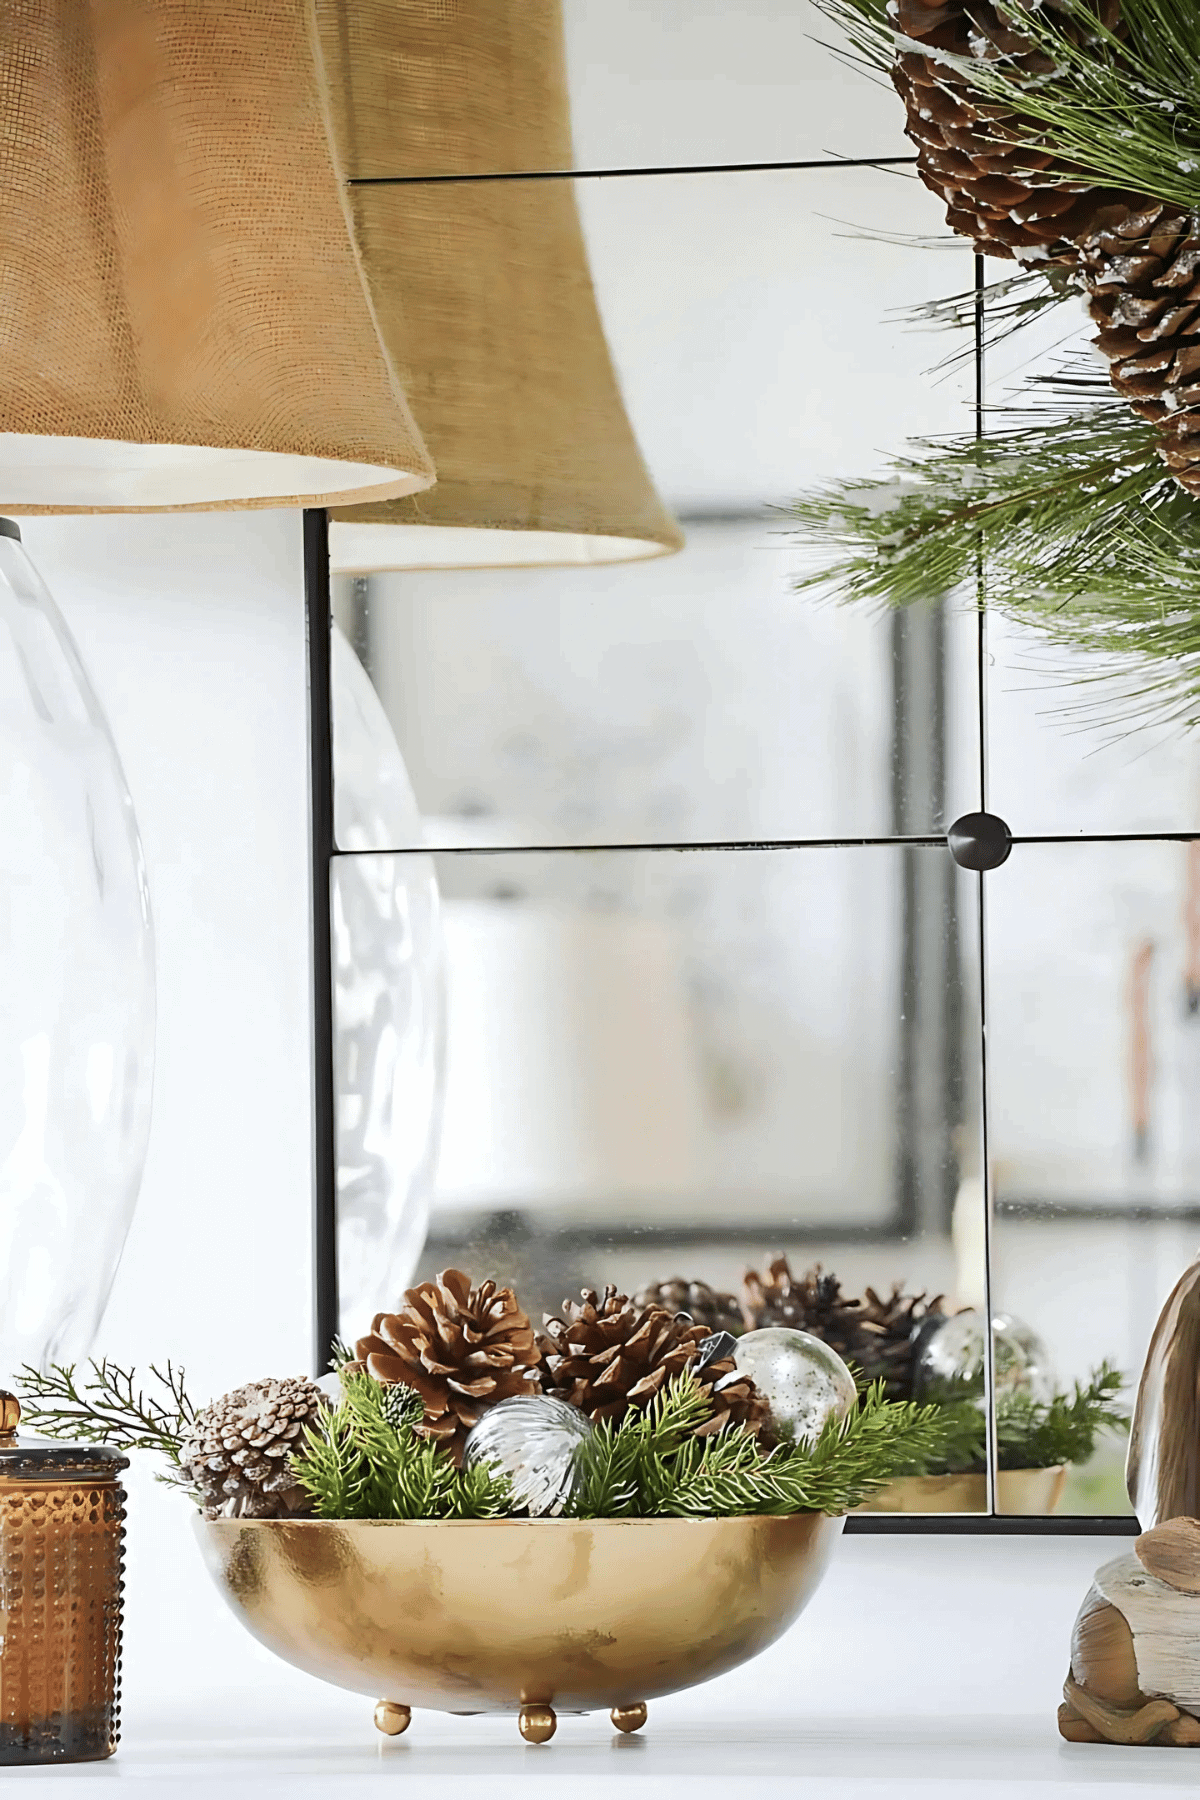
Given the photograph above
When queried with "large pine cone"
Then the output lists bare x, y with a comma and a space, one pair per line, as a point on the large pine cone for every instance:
877, 1334
238, 1457
704, 1305
1141, 267
461, 1348
1008, 198
608, 1355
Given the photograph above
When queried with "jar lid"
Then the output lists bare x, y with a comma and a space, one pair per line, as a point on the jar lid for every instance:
45, 1459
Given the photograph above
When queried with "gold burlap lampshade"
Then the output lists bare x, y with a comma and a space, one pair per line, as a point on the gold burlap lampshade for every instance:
183, 319
482, 291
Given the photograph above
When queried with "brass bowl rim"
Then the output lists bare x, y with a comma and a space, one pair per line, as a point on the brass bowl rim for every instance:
527, 1524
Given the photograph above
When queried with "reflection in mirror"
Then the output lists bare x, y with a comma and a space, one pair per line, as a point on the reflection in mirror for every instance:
694, 698
697, 697
665, 1070
1093, 1063
744, 1082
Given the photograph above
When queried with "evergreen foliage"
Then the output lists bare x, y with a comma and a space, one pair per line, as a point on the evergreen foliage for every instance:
106, 1405
1032, 1434
1123, 107
366, 1461
651, 1465
1064, 513
1081, 531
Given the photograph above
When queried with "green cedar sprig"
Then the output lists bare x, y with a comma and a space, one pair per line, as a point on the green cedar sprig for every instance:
364, 1460
106, 1405
1035, 1435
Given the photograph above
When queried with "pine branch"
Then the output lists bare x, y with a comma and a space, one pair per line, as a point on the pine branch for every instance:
1008, 307
107, 1406
365, 1460
964, 1441
1083, 532
618, 1460
651, 1464
1031, 1435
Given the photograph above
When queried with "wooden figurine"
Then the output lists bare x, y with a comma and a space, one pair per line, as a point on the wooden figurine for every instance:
1135, 1648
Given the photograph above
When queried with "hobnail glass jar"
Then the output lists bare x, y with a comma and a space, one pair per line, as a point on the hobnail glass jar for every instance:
76, 985
62, 1543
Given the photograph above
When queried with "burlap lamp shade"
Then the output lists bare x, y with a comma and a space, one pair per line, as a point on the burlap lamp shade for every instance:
183, 319
482, 291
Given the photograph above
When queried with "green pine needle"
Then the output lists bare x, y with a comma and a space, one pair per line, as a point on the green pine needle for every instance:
650, 1465
1081, 531
364, 1460
1033, 1435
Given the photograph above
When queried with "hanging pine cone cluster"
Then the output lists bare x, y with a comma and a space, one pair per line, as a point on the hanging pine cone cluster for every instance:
606, 1354
704, 1305
1136, 258
1007, 196
462, 1348
1142, 269
238, 1458
876, 1334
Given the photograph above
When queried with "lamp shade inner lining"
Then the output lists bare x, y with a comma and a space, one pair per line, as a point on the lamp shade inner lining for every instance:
108, 474
360, 549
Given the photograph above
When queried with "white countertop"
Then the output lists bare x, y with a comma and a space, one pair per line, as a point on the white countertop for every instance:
921, 1662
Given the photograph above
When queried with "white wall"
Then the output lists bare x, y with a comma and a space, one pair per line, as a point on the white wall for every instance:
192, 627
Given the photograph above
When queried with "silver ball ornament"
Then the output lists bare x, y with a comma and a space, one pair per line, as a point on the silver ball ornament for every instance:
537, 1442
801, 1379
949, 1364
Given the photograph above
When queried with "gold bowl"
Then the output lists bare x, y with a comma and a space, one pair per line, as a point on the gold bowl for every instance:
518, 1615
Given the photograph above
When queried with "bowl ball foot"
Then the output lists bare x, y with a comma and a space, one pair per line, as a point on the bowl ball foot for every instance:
538, 1724
629, 1718
391, 1718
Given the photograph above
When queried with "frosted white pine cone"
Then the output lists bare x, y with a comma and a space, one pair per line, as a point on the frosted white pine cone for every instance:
238, 1456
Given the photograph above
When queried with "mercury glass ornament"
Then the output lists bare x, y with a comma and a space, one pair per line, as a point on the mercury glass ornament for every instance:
801, 1379
538, 1442
950, 1363
388, 1003
76, 985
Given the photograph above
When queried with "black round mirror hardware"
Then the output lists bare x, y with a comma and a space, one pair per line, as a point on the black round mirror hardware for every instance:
979, 840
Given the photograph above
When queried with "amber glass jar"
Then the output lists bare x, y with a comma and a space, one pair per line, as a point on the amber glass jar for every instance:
62, 1539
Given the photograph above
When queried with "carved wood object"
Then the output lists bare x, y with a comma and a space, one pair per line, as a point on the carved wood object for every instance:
1135, 1648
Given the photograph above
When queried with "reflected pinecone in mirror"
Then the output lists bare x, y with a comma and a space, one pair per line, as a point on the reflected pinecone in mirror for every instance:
876, 1334
704, 1305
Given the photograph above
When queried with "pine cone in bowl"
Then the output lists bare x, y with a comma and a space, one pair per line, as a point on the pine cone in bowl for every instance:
462, 1348
606, 1355
238, 1457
